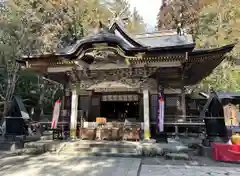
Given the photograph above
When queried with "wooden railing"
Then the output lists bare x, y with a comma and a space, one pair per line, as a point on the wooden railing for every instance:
171, 121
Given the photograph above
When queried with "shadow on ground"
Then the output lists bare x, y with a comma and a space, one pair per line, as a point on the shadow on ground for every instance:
58, 165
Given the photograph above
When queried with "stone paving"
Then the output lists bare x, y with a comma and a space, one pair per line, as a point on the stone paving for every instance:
54, 165
198, 166
195, 161
170, 170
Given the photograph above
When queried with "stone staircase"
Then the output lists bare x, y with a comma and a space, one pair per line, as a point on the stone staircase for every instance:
101, 148
173, 150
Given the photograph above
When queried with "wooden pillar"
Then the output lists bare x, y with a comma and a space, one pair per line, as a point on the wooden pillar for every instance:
183, 104
147, 134
74, 113
183, 98
67, 98
66, 111
140, 111
90, 94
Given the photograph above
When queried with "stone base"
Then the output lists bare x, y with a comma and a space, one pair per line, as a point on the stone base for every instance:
205, 151
11, 145
73, 133
147, 134
151, 150
161, 137
208, 140
177, 156
14, 137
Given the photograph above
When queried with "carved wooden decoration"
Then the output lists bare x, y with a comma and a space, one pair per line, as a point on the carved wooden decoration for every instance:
106, 55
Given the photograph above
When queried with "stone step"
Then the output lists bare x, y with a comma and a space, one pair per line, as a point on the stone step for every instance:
103, 145
33, 144
75, 153
177, 156
47, 137
99, 149
114, 150
45, 145
70, 149
27, 151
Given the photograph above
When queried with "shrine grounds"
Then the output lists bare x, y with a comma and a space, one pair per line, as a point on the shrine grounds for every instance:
55, 165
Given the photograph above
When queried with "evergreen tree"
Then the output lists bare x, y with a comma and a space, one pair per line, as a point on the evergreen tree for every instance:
36, 27
213, 23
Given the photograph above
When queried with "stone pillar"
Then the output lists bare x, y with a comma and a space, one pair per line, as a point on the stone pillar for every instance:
74, 113
147, 134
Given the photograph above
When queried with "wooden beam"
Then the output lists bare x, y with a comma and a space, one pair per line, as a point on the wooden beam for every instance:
111, 66
59, 69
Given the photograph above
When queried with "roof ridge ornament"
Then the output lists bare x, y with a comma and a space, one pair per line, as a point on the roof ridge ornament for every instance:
180, 30
100, 27
117, 17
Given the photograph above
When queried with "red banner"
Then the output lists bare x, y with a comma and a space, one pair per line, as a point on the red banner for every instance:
56, 113
160, 118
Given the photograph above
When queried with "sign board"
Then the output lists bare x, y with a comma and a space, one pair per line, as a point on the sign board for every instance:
231, 115
125, 98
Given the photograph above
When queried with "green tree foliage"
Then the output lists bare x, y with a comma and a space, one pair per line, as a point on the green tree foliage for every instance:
219, 25
36, 27
213, 23
175, 12
43, 24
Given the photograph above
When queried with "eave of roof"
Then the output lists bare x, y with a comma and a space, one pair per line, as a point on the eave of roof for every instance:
225, 48
199, 70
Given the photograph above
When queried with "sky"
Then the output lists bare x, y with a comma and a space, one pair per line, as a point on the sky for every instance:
148, 9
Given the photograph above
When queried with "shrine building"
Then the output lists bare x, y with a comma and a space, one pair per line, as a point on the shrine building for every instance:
119, 76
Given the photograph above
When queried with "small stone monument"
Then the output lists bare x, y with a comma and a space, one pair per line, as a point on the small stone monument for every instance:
15, 125
216, 130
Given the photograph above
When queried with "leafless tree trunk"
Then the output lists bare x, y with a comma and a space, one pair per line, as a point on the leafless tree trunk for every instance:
39, 107
12, 76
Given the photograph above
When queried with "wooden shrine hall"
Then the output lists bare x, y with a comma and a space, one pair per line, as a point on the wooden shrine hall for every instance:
119, 77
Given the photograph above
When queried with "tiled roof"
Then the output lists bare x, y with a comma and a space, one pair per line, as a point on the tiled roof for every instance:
163, 40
